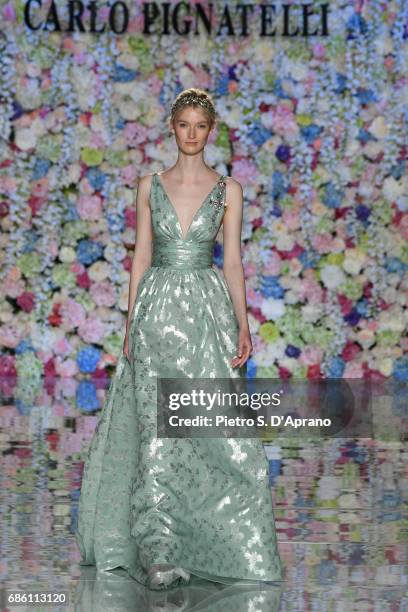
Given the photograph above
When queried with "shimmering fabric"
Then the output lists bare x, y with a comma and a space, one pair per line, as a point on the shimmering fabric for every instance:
165, 509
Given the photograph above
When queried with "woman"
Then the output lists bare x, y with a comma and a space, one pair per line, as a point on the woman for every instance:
166, 509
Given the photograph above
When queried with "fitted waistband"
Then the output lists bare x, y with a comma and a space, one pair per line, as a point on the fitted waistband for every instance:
181, 254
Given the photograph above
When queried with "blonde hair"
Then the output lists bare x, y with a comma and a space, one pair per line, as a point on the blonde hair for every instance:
194, 97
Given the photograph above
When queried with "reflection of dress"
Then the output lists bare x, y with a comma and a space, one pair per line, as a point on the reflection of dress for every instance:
195, 505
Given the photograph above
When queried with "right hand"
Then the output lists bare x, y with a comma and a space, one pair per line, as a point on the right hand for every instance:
126, 347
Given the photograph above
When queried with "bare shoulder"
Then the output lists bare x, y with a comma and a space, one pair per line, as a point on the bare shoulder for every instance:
234, 192
144, 184
145, 180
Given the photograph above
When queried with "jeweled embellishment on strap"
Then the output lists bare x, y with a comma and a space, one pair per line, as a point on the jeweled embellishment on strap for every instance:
217, 198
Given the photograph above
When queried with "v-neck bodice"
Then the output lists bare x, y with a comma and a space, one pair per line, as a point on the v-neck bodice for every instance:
205, 222
159, 181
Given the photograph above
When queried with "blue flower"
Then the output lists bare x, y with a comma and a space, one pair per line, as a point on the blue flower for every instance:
22, 407
311, 132
353, 317
231, 73
31, 237
332, 197
362, 212
395, 265
89, 251
399, 393
283, 154
356, 25
86, 397
279, 183
292, 351
309, 259
364, 136
399, 169
96, 178
327, 571
341, 83
258, 133
274, 469
276, 211
41, 168
222, 85
251, 368
87, 359
124, 75
362, 307
23, 346
336, 367
279, 91
270, 287
116, 222
366, 96
400, 368
71, 213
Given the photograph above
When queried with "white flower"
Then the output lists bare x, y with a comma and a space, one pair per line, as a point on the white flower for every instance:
25, 139
392, 188
354, 261
67, 254
378, 128
332, 276
273, 309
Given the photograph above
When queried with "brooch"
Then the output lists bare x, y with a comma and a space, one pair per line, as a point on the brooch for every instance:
217, 198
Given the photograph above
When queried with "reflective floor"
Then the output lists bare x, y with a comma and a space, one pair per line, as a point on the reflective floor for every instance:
340, 508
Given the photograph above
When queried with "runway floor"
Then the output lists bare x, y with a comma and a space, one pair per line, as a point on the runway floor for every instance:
340, 508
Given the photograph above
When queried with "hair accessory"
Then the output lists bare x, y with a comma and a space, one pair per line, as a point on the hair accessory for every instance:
193, 98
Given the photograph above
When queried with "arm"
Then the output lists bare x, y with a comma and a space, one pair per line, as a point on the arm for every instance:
233, 269
142, 255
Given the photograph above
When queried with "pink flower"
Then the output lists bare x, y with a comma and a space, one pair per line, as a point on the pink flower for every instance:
73, 314
310, 290
129, 174
290, 219
8, 184
319, 51
65, 368
154, 85
12, 288
40, 188
26, 301
353, 369
244, 171
249, 269
97, 140
273, 265
130, 217
9, 12
322, 243
7, 366
283, 120
135, 134
255, 299
76, 267
92, 329
12, 333
89, 207
62, 347
311, 355
103, 294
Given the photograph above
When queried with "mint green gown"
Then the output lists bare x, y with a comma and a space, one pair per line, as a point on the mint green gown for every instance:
169, 509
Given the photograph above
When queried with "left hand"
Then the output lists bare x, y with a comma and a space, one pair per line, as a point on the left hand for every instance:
244, 348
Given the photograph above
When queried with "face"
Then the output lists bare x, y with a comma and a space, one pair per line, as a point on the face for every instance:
191, 128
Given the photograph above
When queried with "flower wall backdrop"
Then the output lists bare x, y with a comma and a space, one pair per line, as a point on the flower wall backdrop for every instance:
314, 129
